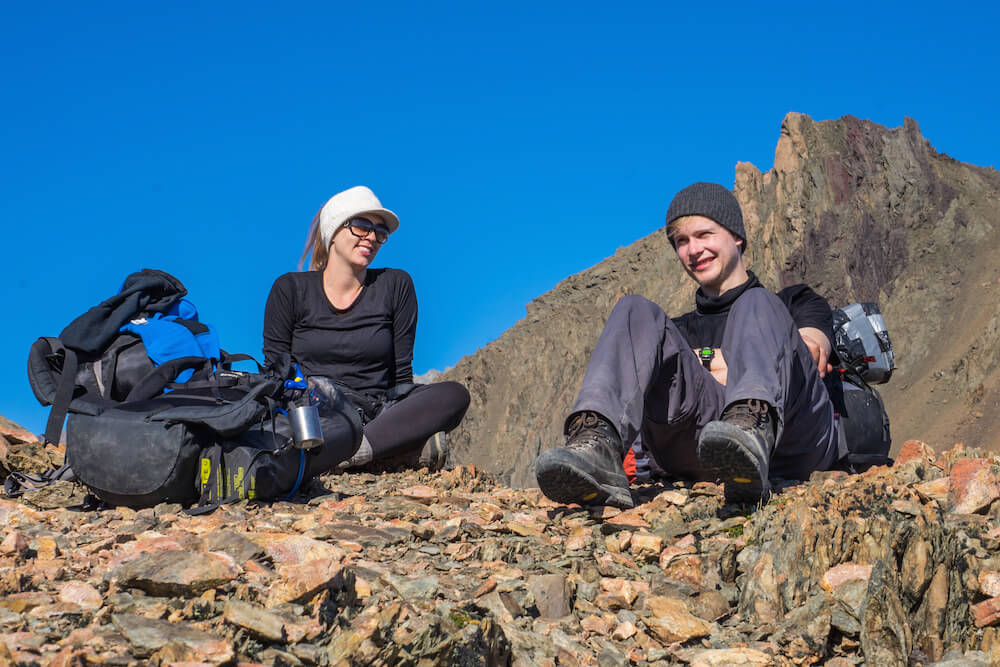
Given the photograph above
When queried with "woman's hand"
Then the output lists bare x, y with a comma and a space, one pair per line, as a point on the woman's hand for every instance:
819, 347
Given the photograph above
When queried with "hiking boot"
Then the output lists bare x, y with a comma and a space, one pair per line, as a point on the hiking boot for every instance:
434, 454
737, 448
588, 469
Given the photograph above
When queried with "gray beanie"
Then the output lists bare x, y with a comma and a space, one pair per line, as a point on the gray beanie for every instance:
712, 201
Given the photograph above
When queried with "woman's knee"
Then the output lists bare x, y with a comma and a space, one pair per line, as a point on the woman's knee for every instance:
454, 395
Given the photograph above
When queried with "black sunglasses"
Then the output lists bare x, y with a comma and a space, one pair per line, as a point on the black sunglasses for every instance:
362, 228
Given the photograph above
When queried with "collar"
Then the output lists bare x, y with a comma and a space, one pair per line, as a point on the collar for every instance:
707, 305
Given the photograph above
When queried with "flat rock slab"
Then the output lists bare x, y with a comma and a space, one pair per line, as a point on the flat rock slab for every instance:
291, 549
727, 657
59, 493
670, 621
147, 635
259, 622
363, 535
299, 584
179, 573
551, 595
81, 594
974, 485
235, 544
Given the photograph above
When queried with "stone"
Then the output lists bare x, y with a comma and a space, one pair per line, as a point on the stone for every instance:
973, 485
628, 519
147, 635
645, 546
885, 633
259, 622
596, 624
709, 605
177, 572
916, 569
422, 494
14, 543
484, 588
366, 536
843, 573
986, 612
46, 548
760, 599
551, 594
301, 583
623, 631
81, 594
626, 590
237, 545
58, 493
289, 549
937, 490
525, 528
914, 450
989, 583
670, 621
729, 657
809, 624
14, 433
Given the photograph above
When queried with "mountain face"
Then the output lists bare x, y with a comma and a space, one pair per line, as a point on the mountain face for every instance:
858, 211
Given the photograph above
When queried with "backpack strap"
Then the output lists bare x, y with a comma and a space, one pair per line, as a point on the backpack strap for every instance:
227, 360
19, 482
157, 380
64, 396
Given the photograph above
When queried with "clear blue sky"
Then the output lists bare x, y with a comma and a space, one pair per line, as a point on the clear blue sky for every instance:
518, 142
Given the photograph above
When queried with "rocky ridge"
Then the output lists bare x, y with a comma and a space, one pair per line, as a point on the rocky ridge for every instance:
900, 565
858, 211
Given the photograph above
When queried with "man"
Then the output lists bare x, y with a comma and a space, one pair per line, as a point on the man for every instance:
732, 391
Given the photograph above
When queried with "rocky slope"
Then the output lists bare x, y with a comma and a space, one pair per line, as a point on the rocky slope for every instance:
898, 566
856, 210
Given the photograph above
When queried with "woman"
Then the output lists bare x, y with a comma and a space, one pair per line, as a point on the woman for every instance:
356, 326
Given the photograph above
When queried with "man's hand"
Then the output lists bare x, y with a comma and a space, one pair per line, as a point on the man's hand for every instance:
820, 348
718, 367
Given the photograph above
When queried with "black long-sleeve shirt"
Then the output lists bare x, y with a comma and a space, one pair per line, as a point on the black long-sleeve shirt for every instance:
367, 346
706, 325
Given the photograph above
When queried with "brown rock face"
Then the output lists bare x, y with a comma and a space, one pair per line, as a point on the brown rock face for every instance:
854, 209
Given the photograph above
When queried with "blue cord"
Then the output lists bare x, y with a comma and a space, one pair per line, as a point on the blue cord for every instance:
302, 468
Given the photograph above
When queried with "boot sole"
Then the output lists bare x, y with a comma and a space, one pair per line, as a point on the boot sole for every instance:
563, 480
726, 458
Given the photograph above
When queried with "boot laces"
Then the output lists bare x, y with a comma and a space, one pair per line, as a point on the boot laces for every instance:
748, 415
584, 431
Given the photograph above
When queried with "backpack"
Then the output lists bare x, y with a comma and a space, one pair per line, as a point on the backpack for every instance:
150, 397
102, 356
866, 357
862, 342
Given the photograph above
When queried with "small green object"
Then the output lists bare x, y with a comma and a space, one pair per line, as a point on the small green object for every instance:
706, 354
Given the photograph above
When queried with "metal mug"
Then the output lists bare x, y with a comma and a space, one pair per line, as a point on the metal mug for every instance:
306, 429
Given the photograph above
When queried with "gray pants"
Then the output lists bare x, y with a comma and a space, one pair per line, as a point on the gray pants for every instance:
644, 377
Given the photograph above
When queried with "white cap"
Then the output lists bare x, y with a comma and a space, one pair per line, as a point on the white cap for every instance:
349, 204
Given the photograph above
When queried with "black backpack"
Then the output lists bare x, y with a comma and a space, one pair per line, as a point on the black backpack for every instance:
866, 358
136, 436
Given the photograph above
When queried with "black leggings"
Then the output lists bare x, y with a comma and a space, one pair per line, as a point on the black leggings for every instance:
406, 425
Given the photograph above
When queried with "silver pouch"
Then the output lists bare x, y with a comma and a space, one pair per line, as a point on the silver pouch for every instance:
862, 341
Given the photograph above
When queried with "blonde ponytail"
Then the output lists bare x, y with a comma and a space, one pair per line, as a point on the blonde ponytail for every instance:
315, 247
